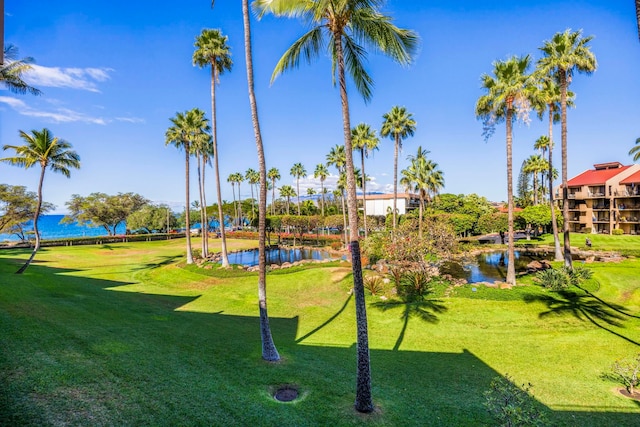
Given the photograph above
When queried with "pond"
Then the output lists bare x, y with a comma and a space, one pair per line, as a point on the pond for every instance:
491, 266
278, 256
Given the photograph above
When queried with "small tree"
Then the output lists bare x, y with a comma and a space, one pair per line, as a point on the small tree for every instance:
511, 405
627, 373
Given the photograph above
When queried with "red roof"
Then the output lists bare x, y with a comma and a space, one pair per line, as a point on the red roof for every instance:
632, 179
595, 177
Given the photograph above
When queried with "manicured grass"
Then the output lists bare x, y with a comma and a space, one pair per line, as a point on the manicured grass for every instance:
126, 334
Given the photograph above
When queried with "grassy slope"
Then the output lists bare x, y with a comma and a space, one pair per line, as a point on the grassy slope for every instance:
124, 335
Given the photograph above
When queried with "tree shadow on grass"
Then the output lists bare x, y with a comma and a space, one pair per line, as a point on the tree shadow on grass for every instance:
126, 358
329, 320
423, 309
583, 306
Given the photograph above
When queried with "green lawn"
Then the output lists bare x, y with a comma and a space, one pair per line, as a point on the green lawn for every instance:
125, 334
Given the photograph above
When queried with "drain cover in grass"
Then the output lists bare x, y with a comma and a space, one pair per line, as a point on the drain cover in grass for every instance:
286, 394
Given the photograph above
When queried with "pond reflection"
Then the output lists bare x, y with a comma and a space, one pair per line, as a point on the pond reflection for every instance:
278, 256
491, 266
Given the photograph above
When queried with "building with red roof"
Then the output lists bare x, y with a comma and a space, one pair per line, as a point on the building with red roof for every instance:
604, 198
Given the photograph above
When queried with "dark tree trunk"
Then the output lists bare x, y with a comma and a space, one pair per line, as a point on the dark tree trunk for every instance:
363, 402
395, 179
214, 127
511, 270
565, 189
187, 220
554, 223
269, 351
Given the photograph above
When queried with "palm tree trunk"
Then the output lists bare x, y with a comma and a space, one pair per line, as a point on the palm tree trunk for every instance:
240, 222
204, 209
554, 222
273, 197
511, 270
565, 189
638, 16
344, 221
36, 215
420, 215
322, 189
269, 351
363, 402
201, 196
364, 196
395, 178
186, 216
223, 233
298, 195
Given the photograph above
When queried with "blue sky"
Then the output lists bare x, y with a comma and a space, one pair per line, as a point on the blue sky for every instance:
112, 73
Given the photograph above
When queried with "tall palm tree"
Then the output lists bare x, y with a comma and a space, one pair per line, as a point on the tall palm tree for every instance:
423, 177
547, 98
398, 124
203, 149
12, 70
298, 171
288, 192
187, 129
269, 351
273, 175
349, 27
565, 54
42, 148
253, 178
236, 178
232, 180
635, 151
364, 139
321, 172
535, 165
212, 50
506, 99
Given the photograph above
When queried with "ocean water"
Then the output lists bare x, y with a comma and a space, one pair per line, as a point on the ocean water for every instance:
50, 228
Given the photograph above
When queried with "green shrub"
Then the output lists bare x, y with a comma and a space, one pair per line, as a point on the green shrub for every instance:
617, 232
414, 285
587, 230
558, 279
374, 284
512, 405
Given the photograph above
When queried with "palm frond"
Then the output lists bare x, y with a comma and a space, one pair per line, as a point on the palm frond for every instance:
354, 56
307, 46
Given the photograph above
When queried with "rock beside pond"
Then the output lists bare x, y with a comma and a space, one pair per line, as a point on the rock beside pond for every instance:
534, 266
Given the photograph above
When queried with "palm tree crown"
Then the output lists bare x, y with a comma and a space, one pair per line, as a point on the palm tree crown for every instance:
321, 172
635, 151
212, 50
346, 26
398, 124
12, 70
298, 171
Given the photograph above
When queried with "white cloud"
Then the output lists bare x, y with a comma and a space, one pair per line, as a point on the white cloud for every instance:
12, 102
58, 115
74, 78
129, 119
